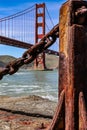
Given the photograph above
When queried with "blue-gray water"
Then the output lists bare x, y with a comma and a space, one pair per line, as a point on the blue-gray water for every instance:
25, 82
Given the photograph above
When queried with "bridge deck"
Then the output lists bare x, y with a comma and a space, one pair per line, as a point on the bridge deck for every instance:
21, 44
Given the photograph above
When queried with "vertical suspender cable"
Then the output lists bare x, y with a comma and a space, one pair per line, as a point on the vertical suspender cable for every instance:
1, 27
12, 27
5, 27
17, 24
8, 27
24, 27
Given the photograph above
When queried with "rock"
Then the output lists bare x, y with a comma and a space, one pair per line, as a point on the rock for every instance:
31, 105
25, 113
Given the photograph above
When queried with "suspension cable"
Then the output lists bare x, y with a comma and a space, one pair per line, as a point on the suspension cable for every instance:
50, 20
18, 14
49, 16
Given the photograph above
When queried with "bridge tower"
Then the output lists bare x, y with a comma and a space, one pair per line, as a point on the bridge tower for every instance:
39, 63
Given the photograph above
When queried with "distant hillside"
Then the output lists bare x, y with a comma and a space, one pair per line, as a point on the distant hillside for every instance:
6, 59
2, 64
51, 61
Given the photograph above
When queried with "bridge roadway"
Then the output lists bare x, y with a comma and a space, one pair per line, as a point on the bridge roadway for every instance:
21, 44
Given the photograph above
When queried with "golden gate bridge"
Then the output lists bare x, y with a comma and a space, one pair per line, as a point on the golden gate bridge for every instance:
26, 28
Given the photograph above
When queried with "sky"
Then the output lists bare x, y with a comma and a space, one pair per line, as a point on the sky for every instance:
9, 7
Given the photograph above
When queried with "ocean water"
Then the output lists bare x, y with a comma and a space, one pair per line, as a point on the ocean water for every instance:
26, 82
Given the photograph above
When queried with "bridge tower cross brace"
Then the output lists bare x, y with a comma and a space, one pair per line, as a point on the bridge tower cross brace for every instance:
39, 63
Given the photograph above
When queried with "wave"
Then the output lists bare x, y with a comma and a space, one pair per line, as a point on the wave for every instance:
30, 82
50, 97
21, 73
4, 84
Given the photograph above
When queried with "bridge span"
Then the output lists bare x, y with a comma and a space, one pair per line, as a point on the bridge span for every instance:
16, 43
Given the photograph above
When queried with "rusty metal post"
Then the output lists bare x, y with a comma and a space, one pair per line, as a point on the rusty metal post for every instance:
82, 113
66, 63
72, 66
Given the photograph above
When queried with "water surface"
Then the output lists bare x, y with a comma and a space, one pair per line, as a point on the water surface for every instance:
26, 82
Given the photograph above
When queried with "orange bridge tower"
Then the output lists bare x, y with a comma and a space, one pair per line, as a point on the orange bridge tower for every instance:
39, 63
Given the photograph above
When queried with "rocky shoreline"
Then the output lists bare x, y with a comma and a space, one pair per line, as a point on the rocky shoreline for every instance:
25, 113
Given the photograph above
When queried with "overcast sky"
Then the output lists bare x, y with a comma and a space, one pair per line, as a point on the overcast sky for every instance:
9, 7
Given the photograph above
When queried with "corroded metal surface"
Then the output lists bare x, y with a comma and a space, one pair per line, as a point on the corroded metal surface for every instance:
82, 112
73, 65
